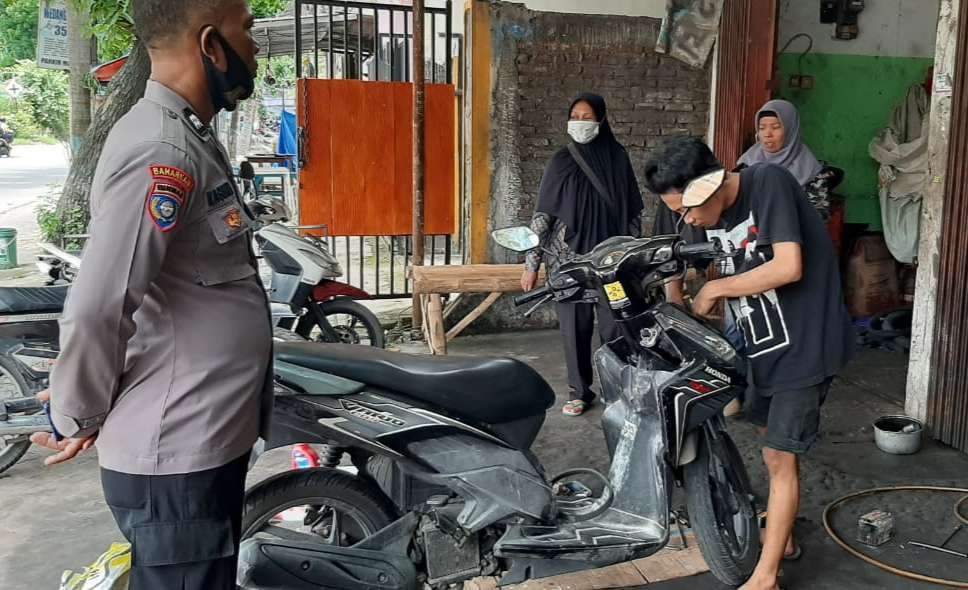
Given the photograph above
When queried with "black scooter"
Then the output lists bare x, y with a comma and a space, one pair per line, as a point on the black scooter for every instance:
429, 477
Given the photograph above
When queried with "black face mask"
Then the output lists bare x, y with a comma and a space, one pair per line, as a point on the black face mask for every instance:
229, 87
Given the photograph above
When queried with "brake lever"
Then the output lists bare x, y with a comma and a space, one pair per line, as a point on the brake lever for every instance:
535, 307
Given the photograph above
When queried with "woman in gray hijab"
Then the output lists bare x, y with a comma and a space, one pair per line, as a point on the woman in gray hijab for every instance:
779, 142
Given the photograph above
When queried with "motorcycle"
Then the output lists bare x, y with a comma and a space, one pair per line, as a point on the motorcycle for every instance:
446, 487
28, 350
6, 143
304, 275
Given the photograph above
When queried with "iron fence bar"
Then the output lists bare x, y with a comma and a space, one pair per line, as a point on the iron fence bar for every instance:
329, 39
362, 258
406, 45
315, 40
346, 43
393, 258
349, 260
359, 44
433, 48
449, 28
357, 4
393, 41
376, 43
299, 47
448, 244
408, 247
377, 271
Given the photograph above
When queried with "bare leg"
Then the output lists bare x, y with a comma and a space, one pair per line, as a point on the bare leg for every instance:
782, 508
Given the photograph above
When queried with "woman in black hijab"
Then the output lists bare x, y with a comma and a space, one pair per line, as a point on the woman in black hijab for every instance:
578, 209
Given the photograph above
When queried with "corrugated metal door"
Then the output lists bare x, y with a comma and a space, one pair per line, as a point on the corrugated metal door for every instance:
747, 51
948, 405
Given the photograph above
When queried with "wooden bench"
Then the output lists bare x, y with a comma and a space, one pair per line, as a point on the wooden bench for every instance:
432, 282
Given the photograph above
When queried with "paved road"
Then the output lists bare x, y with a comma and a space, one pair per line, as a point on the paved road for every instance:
30, 172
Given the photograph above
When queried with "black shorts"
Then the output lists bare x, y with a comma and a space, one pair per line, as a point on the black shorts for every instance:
791, 418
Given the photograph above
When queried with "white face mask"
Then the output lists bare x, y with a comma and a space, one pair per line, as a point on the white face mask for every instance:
583, 131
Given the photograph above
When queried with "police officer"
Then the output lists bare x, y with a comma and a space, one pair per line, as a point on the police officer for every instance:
166, 341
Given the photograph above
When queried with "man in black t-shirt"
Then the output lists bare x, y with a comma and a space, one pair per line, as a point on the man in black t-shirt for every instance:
782, 285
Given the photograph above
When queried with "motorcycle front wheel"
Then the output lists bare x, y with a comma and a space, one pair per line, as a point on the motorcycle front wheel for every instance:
721, 511
349, 323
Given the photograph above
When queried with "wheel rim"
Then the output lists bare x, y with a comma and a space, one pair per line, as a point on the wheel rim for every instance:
732, 507
349, 328
9, 388
321, 520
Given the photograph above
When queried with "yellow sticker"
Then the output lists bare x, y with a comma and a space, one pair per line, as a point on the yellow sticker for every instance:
615, 292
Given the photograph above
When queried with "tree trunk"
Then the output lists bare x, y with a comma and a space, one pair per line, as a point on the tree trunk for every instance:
82, 57
73, 208
233, 134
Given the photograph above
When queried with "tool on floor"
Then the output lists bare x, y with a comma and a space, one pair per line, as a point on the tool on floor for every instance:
875, 528
941, 548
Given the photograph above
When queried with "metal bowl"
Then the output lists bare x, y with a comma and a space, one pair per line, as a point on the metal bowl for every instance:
898, 435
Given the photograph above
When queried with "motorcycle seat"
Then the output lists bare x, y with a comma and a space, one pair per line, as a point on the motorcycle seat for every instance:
488, 390
32, 299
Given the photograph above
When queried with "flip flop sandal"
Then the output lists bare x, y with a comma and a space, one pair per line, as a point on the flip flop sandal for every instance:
575, 407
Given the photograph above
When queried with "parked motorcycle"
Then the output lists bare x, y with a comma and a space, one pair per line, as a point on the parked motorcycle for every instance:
28, 350
446, 485
304, 275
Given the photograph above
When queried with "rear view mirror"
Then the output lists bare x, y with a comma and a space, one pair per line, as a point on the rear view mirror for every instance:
517, 239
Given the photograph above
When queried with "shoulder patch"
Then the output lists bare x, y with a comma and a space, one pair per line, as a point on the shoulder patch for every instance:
169, 191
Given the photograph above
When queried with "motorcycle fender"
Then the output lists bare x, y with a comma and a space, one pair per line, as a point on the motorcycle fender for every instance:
327, 290
690, 448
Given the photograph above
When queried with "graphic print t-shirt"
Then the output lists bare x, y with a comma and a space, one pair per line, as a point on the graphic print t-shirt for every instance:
799, 334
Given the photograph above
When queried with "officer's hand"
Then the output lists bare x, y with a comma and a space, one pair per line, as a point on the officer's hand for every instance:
67, 448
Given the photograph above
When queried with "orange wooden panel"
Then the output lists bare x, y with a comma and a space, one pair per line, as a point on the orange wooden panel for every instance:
315, 191
441, 169
359, 174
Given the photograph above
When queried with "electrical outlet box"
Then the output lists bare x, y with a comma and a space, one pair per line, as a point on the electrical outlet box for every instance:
806, 82
794, 81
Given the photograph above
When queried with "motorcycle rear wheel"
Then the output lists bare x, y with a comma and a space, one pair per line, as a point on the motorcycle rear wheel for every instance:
353, 324
722, 513
12, 385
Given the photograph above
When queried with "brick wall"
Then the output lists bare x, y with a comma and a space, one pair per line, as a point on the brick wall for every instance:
542, 60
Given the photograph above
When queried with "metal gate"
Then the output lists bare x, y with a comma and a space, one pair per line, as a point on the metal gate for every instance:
370, 41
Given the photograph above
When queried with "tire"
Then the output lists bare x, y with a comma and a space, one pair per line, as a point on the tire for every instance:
730, 553
12, 385
317, 487
367, 324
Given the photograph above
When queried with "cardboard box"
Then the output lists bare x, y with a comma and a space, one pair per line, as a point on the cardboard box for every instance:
872, 284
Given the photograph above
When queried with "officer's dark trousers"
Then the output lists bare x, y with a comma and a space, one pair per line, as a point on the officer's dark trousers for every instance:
577, 324
184, 529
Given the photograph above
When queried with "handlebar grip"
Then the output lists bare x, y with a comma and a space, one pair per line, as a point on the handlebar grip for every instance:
701, 250
527, 298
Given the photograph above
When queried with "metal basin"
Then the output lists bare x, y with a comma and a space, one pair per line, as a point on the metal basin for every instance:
898, 435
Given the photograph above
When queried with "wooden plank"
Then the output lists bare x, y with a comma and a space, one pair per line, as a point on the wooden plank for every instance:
474, 278
479, 82
622, 575
473, 315
671, 565
435, 325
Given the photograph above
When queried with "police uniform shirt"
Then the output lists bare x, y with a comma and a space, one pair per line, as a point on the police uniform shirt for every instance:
165, 339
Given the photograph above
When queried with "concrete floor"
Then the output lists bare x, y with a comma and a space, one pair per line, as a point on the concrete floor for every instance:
54, 518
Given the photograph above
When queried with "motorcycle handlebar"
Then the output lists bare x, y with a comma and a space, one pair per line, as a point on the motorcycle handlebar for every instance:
535, 295
701, 250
